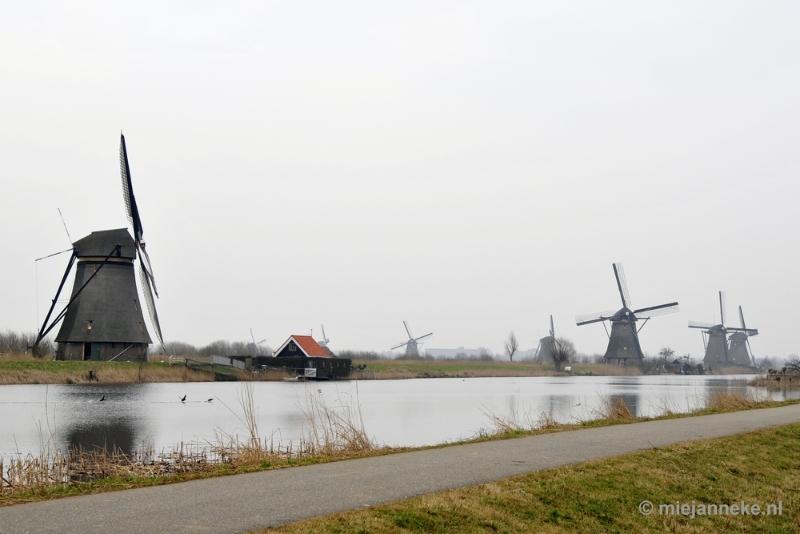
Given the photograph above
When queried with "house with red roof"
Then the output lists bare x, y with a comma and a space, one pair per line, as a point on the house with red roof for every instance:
303, 355
300, 346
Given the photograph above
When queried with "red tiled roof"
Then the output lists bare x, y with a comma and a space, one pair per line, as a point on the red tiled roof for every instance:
310, 346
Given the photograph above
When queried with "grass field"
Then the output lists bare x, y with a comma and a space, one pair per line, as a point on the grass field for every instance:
394, 369
604, 495
30, 371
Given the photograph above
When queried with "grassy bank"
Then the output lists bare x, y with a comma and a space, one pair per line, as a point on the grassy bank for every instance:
399, 369
604, 495
30, 371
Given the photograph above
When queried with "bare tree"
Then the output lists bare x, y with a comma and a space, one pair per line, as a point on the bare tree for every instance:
511, 345
561, 351
666, 354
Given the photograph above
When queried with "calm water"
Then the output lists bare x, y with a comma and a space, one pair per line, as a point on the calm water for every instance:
395, 412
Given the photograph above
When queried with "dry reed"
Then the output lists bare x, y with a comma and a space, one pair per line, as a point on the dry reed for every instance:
613, 409
335, 431
722, 400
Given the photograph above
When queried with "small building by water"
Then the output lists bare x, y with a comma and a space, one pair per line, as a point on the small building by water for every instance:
303, 356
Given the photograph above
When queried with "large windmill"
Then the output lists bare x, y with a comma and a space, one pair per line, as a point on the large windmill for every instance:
412, 345
546, 344
715, 337
103, 317
623, 341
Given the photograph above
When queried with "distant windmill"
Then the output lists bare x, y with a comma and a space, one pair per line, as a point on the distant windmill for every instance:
739, 351
325, 340
715, 337
103, 317
545, 344
255, 345
412, 347
623, 341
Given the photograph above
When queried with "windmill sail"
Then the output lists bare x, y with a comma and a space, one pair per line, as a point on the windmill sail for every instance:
148, 281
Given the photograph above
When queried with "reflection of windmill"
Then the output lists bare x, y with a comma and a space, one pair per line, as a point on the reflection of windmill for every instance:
103, 317
545, 344
412, 347
715, 338
623, 341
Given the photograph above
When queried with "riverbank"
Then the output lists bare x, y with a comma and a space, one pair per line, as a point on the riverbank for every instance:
759, 468
23, 369
30, 371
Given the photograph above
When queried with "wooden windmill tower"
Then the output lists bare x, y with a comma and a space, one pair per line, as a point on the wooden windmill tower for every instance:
103, 318
623, 341
545, 344
412, 345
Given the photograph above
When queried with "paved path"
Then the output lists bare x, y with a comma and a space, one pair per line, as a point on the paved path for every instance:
248, 502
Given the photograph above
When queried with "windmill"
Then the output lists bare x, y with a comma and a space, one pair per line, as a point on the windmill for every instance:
103, 317
715, 338
623, 341
739, 351
545, 344
325, 340
412, 347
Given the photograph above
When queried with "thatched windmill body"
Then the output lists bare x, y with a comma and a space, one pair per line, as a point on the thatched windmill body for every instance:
623, 341
103, 318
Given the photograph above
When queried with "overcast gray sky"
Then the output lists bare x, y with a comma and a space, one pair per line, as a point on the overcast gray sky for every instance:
469, 167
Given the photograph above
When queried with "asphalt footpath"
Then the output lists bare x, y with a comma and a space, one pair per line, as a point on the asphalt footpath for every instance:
243, 503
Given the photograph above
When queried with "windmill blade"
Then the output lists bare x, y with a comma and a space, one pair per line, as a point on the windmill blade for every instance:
151, 305
594, 317
747, 331
324, 337
127, 191
144, 262
722, 308
741, 318
403, 344
696, 324
752, 356
552, 328
622, 285
420, 337
653, 311
538, 347
408, 331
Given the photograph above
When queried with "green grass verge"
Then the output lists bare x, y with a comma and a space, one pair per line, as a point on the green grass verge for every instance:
68, 366
603, 495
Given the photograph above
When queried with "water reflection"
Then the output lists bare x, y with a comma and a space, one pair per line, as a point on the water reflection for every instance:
101, 417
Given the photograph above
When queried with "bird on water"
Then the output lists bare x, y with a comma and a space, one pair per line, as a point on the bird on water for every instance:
102, 398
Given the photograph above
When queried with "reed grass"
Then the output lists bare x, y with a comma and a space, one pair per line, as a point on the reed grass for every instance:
727, 399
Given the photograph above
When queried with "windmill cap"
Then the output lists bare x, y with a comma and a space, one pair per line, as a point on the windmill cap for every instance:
101, 244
